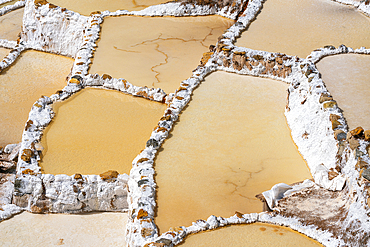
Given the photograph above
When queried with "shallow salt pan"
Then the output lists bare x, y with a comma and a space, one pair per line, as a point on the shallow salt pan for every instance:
85, 8
347, 79
98, 130
33, 74
253, 235
96, 229
155, 52
231, 143
297, 27
11, 24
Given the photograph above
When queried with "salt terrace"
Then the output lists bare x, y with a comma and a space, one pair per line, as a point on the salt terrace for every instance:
190, 122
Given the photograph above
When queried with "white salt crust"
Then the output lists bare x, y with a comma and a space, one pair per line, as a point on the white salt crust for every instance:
9, 8
360, 5
319, 149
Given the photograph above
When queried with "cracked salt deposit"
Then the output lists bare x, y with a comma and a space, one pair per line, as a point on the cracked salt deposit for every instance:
338, 159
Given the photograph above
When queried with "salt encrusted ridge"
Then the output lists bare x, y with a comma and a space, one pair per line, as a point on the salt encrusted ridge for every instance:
9, 8
363, 6
59, 31
5, 1
8, 44
301, 75
12, 56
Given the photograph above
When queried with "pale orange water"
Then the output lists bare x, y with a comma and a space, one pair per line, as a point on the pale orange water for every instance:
11, 24
95, 229
297, 27
155, 52
253, 235
3, 53
98, 130
86, 7
231, 143
347, 79
32, 75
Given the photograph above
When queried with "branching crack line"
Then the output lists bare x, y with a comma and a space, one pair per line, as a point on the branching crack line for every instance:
138, 5
245, 183
115, 47
155, 66
201, 41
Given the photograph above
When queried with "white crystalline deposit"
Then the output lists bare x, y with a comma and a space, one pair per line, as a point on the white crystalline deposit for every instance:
311, 127
8, 8
7, 44
12, 56
282, 190
179, 9
363, 6
58, 31
70, 194
122, 85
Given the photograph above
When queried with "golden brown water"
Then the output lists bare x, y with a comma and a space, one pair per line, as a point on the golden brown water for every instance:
98, 130
347, 79
11, 24
86, 7
98, 229
232, 143
32, 75
297, 27
253, 235
3, 53
155, 52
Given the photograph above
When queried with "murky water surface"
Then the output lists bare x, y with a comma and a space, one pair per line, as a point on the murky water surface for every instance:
98, 130
98, 229
32, 75
297, 27
155, 52
86, 7
11, 24
347, 79
232, 143
253, 235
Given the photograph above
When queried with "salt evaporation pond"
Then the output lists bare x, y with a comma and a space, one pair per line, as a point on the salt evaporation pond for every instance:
347, 79
100, 5
32, 75
230, 144
155, 52
253, 235
84, 230
11, 24
98, 130
297, 27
